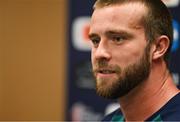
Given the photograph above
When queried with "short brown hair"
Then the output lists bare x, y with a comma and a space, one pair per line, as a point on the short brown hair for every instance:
156, 22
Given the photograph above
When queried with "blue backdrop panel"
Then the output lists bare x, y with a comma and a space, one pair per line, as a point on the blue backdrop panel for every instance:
83, 103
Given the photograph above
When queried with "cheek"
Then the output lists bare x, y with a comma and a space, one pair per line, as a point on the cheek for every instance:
127, 56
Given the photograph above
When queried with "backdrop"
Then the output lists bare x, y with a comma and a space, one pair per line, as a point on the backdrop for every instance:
83, 103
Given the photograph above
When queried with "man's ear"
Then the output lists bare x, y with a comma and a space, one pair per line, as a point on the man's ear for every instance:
160, 47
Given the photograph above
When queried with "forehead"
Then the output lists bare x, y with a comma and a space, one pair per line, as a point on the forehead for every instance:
120, 15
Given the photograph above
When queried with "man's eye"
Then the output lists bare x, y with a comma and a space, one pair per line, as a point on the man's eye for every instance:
95, 41
117, 39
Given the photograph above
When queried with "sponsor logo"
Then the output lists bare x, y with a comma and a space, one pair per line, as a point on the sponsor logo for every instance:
175, 44
171, 3
80, 30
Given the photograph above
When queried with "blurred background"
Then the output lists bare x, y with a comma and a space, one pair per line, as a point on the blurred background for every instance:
33, 59
45, 68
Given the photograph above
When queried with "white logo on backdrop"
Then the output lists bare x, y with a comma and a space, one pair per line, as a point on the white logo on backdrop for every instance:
80, 30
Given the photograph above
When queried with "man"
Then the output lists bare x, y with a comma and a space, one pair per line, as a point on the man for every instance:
131, 41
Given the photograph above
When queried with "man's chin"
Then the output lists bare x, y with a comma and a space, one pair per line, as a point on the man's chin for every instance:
111, 89
105, 94
106, 91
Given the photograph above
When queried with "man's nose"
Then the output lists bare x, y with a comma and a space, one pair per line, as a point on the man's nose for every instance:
103, 51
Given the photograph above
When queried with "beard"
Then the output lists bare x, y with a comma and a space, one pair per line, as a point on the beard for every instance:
127, 78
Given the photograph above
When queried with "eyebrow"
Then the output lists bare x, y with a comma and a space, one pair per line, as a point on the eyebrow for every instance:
109, 33
119, 32
91, 35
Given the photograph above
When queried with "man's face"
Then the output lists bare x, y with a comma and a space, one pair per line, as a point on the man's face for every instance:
120, 53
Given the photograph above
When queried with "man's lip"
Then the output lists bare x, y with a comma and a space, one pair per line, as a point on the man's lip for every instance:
105, 71
105, 75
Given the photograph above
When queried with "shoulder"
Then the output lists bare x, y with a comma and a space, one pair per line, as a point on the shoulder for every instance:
171, 111
172, 115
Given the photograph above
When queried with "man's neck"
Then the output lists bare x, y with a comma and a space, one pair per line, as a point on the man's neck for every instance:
149, 96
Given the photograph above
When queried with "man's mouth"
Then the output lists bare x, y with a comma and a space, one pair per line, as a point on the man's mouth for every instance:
106, 71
